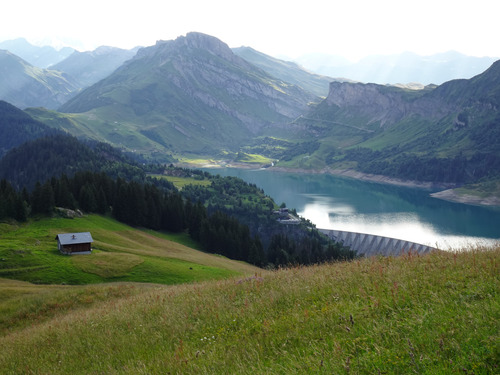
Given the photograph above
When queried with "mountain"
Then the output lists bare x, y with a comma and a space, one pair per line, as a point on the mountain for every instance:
401, 68
17, 127
287, 71
89, 67
383, 106
449, 133
42, 57
189, 95
25, 85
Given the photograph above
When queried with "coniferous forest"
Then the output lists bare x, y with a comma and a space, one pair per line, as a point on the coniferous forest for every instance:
229, 217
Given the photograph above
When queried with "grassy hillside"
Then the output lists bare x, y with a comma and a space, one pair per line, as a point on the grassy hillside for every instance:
29, 252
115, 128
286, 70
430, 314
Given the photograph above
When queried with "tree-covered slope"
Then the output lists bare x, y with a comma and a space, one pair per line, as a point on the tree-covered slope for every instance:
17, 127
54, 155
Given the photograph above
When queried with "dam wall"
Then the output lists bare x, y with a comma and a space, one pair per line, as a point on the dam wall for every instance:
370, 245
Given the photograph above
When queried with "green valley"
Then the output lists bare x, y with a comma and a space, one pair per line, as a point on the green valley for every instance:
199, 273
194, 99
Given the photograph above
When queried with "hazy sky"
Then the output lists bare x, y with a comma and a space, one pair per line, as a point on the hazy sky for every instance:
350, 28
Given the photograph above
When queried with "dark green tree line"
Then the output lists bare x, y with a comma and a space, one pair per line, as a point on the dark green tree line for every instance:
219, 225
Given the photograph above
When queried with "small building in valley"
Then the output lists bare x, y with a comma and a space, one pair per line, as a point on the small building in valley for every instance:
74, 243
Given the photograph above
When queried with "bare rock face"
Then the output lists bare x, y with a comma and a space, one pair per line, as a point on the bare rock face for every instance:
368, 100
371, 103
385, 104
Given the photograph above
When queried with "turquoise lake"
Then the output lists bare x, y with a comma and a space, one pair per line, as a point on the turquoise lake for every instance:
332, 202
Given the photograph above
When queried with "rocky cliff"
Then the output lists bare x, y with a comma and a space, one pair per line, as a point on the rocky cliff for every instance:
388, 105
384, 105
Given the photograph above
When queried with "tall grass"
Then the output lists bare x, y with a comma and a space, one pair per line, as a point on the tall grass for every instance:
436, 314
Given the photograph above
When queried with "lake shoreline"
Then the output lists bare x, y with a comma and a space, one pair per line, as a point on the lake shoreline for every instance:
452, 196
447, 190
443, 191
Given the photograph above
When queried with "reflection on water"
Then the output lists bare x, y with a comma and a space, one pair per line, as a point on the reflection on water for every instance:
344, 204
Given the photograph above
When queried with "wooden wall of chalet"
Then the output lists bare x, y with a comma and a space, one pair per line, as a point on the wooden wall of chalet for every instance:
76, 248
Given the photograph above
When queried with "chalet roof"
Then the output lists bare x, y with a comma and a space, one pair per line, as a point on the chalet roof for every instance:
74, 238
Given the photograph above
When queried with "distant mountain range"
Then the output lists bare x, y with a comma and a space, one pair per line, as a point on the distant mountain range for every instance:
401, 68
42, 57
25, 85
287, 71
90, 67
44, 77
195, 98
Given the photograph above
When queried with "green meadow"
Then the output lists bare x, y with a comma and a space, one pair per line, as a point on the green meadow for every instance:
432, 314
28, 252
180, 182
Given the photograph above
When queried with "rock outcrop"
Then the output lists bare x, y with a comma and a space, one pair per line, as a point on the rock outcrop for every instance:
386, 105
381, 104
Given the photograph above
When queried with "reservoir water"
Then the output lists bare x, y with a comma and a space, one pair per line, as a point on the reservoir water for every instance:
332, 202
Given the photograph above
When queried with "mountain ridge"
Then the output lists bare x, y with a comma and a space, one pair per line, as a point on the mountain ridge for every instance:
193, 90
194, 97
287, 71
25, 85
400, 68
90, 67
40, 56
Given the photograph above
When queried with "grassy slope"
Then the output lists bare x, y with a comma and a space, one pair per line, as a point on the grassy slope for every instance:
437, 313
120, 132
121, 253
180, 182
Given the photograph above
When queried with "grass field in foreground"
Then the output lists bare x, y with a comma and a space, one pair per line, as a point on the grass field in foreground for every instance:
432, 314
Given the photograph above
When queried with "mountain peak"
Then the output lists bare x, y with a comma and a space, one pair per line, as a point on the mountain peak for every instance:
195, 93
191, 42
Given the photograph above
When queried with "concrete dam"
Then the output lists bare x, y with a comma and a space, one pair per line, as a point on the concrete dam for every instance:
370, 245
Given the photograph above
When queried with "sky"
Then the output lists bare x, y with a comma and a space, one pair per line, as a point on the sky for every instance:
290, 28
